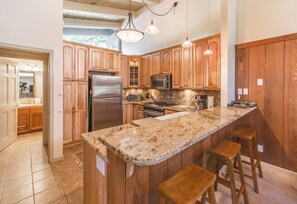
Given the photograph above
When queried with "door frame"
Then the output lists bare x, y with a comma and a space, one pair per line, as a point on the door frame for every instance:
43, 56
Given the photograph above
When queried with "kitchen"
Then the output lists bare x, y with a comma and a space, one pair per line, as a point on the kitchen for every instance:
126, 119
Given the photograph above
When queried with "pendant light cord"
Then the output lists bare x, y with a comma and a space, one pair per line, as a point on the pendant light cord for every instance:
187, 18
208, 15
157, 14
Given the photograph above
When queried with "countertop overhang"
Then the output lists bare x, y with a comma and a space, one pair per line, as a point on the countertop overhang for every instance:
156, 142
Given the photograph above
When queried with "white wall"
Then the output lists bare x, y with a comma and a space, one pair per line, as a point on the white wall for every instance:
173, 26
261, 19
37, 24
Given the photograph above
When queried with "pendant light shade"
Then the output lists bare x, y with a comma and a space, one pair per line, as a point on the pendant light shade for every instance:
129, 33
208, 51
152, 29
187, 43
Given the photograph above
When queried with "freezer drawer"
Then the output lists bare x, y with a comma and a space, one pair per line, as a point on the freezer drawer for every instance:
107, 112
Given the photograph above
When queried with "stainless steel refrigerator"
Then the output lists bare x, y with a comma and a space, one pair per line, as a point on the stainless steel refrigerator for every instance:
105, 102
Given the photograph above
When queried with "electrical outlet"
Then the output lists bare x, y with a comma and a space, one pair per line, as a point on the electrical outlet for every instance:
245, 91
260, 82
260, 148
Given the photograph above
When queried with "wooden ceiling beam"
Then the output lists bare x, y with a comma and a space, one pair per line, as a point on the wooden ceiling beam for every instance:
149, 2
69, 5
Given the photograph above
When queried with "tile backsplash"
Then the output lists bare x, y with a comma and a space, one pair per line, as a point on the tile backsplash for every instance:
183, 97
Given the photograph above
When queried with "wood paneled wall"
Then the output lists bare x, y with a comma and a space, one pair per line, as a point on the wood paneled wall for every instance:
275, 61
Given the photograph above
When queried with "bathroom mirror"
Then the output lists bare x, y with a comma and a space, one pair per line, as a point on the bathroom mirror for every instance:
26, 84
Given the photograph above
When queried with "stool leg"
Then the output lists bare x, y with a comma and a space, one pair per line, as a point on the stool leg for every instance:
257, 157
162, 200
211, 195
251, 151
232, 181
212, 165
245, 196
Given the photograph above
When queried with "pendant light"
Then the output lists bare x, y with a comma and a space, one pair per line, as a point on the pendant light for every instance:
208, 51
187, 43
152, 29
129, 33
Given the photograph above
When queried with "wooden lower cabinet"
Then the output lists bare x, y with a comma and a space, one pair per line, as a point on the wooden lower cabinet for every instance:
138, 112
30, 119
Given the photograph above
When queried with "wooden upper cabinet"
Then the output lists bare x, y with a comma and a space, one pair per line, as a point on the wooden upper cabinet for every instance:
81, 63
166, 61
142, 72
176, 68
148, 71
187, 67
124, 70
68, 62
113, 61
155, 63
199, 66
97, 59
214, 64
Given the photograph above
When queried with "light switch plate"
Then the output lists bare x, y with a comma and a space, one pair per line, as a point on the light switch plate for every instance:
260, 82
245, 91
260, 148
100, 164
239, 91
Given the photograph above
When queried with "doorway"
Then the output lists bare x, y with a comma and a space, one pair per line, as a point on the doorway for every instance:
25, 99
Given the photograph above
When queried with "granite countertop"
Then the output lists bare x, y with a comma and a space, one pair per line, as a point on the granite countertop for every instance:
144, 121
179, 108
29, 105
151, 144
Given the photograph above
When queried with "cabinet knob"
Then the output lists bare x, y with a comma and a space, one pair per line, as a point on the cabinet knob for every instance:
61, 110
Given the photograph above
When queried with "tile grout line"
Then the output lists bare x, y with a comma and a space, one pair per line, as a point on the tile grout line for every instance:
32, 173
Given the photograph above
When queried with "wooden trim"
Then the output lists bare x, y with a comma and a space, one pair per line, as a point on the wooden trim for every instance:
23, 54
267, 41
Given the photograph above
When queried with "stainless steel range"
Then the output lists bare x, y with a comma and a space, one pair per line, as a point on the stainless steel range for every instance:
155, 109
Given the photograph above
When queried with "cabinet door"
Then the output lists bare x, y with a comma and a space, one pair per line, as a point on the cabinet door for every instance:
36, 118
199, 66
166, 61
81, 96
214, 65
68, 62
138, 112
155, 63
129, 113
142, 72
97, 59
23, 120
187, 67
148, 71
80, 124
124, 70
68, 111
176, 68
81, 63
113, 61
124, 114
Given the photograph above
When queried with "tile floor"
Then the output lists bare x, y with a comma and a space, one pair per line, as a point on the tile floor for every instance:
26, 176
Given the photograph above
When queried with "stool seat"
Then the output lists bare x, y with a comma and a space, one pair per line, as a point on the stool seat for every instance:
226, 149
244, 133
188, 185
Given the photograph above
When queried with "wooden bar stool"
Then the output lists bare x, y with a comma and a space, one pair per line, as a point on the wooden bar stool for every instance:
226, 153
249, 137
188, 185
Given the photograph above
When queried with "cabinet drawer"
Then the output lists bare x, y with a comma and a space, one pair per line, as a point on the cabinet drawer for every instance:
23, 128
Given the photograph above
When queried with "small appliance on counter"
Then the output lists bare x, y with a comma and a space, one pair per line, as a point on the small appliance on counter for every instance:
210, 102
134, 97
161, 81
201, 101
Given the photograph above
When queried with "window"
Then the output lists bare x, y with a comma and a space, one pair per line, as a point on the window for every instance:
98, 37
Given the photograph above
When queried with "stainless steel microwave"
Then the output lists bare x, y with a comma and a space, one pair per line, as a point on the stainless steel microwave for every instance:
161, 81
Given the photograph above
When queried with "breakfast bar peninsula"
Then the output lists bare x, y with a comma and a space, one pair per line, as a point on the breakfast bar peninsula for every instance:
125, 164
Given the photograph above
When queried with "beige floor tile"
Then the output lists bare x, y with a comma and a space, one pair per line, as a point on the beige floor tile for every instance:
17, 173
62, 201
17, 182
45, 173
40, 166
49, 196
17, 194
45, 184
29, 200
76, 197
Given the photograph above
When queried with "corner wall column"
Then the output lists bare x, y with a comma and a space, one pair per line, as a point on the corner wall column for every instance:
228, 40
